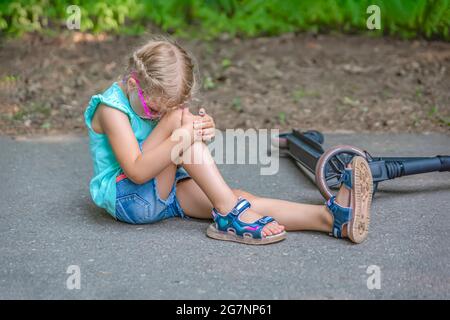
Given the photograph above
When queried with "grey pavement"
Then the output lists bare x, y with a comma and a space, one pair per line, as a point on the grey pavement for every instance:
48, 222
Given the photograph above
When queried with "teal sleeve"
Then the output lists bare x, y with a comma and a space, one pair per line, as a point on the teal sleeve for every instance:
107, 101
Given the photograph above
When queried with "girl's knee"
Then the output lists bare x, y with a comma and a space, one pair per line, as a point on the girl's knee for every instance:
174, 118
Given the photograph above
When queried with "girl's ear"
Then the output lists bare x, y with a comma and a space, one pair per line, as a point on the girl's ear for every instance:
131, 83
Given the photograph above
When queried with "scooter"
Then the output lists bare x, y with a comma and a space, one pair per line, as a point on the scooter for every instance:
327, 167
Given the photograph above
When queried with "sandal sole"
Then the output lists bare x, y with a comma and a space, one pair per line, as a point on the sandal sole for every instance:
361, 200
212, 232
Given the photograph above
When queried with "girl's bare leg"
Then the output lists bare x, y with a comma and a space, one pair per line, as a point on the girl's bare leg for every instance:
294, 216
297, 216
200, 165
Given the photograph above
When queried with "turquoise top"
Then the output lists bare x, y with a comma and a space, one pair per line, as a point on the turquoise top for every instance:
106, 167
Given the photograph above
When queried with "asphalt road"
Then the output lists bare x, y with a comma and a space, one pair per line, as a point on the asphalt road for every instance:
48, 223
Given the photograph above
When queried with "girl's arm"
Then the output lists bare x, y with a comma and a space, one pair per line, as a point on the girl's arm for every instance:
139, 167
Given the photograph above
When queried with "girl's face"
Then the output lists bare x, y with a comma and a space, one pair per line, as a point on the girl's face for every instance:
141, 103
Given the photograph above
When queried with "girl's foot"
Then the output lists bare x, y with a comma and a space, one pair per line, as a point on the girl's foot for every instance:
243, 225
351, 208
270, 229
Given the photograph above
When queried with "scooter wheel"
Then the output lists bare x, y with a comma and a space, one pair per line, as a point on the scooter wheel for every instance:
330, 167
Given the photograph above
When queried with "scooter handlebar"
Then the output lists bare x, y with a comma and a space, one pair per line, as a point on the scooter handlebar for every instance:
445, 163
416, 166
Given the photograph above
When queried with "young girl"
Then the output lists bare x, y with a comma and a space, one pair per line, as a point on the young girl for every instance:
133, 129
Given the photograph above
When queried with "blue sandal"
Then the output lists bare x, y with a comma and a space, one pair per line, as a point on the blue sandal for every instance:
356, 218
230, 228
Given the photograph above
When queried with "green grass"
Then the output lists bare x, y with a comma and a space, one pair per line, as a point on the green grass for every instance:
300, 93
208, 83
211, 18
282, 118
226, 63
236, 104
434, 114
32, 109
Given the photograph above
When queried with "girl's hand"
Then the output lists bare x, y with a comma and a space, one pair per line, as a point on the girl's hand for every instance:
205, 123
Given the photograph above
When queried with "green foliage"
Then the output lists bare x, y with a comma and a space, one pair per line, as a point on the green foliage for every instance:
208, 83
212, 18
236, 104
226, 63
18, 17
282, 118
434, 114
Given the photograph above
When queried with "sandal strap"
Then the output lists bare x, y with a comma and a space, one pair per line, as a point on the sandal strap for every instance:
265, 220
346, 178
341, 215
240, 206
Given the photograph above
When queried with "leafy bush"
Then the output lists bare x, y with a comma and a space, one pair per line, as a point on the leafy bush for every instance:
211, 18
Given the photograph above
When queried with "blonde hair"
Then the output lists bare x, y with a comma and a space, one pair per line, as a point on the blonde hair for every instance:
165, 71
